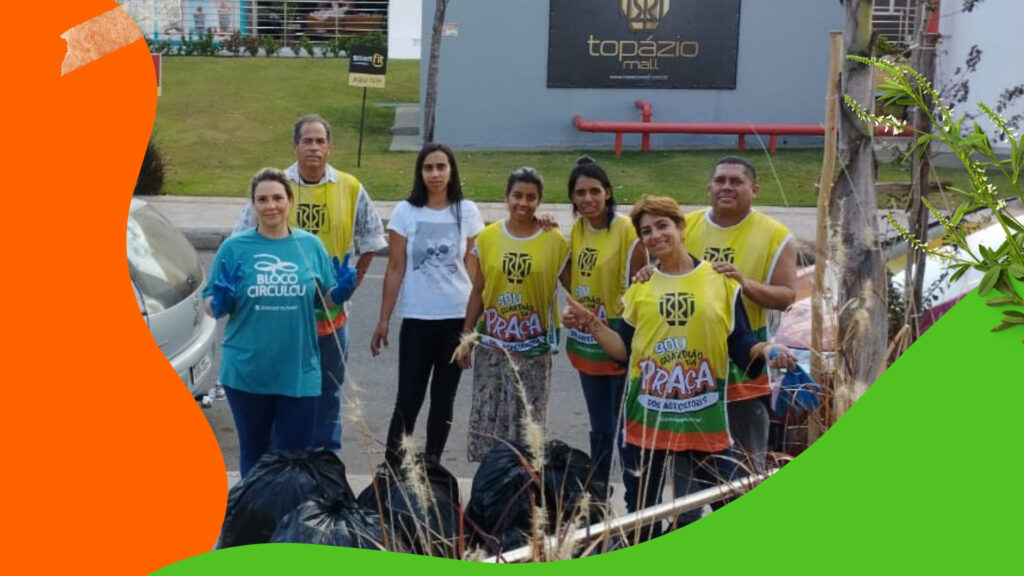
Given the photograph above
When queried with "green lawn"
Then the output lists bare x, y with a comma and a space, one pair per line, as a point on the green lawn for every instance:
221, 119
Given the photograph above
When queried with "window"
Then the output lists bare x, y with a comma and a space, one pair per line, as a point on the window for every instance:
897, 20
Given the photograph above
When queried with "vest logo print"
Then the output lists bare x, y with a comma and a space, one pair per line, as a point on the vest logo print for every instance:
726, 254
587, 261
644, 15
311, 217
516, 266
676, 308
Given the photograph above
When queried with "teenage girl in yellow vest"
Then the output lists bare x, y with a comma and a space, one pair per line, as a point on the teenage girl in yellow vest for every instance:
604, 255
513, 298
680, 331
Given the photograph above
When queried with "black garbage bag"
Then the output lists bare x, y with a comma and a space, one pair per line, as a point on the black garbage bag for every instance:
567, 479
276, 485
341, 522
501, 502
506, 490
425, 521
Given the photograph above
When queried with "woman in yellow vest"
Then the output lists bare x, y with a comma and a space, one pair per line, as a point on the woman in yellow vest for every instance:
604, 255
680, 332
513, 309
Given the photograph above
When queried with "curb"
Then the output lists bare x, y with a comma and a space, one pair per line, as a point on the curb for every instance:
206, 238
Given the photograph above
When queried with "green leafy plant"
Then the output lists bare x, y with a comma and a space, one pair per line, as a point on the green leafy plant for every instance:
151, 173
159, 46
375, 39
269, 45
306, 45
234, 43
905, 86
206, 45
188, 47
335, 46
252, 44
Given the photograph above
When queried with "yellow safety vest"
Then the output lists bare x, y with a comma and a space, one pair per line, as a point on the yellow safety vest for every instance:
753, 246
520, 312
679, 360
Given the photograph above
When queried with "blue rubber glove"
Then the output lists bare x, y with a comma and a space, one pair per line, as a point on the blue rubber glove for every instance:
223, 301
346, 285
798, 394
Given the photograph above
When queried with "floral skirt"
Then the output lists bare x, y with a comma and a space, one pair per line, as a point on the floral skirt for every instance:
500, 382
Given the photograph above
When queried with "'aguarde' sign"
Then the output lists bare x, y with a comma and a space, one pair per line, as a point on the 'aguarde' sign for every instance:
367, 67
643, 43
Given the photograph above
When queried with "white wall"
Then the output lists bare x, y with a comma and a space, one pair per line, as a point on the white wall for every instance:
404, 29
995, 26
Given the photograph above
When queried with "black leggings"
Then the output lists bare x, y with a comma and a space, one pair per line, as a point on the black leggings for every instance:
425, 347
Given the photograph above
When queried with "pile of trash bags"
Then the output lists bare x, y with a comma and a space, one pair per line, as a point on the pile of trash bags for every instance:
298, 496
304, 497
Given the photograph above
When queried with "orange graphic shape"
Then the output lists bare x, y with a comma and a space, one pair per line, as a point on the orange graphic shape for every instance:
110, 466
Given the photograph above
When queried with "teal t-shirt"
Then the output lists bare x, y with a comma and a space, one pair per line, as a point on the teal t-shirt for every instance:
270, 341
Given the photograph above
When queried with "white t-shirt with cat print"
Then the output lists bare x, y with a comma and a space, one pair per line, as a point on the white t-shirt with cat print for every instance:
436, 285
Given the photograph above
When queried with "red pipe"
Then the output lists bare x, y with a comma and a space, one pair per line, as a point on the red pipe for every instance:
771, 130
645, 111
933, 22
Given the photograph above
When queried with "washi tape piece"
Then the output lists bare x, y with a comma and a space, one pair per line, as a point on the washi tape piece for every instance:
98, 37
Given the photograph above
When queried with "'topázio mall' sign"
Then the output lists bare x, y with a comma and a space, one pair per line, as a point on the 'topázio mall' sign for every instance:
643, 43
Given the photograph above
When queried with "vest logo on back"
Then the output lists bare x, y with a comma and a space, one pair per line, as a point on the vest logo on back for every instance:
676, 308
516, 267
311, 217
726, 254
587, 261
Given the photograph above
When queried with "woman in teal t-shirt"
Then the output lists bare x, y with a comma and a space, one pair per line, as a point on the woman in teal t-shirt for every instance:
269, 279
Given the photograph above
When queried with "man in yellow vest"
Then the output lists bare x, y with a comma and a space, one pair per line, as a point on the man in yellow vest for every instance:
757, 251
335, 207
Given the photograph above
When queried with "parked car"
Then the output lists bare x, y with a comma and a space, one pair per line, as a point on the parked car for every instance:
168, 278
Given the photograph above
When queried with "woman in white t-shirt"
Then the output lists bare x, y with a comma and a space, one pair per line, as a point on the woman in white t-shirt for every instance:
430, 234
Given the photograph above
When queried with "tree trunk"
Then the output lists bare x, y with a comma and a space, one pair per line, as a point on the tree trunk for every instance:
430, 99
922, 60
863, 317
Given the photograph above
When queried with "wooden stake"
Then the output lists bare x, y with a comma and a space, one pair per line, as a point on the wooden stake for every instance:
828, 165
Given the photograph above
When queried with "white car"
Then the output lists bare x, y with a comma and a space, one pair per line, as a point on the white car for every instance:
168, 279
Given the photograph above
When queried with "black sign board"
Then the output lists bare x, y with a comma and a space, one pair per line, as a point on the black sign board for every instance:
367, 67
643, 43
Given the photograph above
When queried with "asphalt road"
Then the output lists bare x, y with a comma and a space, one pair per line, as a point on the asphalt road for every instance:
373, 383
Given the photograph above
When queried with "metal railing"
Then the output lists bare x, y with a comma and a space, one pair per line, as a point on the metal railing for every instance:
897, 20
635, 521
286, 20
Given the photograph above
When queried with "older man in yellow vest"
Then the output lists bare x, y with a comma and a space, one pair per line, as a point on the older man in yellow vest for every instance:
757, 251
335, 207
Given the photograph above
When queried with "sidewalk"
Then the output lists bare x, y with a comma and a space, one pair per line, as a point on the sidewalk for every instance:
206, 221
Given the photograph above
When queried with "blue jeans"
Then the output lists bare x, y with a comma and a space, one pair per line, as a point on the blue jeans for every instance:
644, 475
749, 421
333, 357
603, 395
748, 424
259, 416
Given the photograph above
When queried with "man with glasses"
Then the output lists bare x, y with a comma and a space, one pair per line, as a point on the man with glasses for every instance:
335, 207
